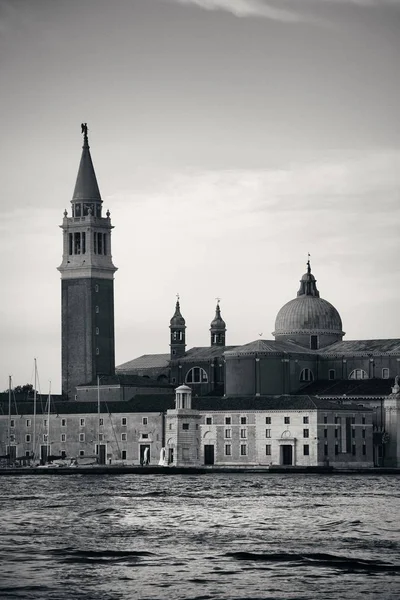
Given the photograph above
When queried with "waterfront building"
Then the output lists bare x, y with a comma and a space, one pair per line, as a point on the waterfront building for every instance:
306, 397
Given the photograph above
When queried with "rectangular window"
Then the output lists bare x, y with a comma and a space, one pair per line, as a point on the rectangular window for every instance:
268, 420
144, 421
97, 351
28, 422
267, 433
336, 432
325, 432
101, 437
82, 422
353, 420
363, 420
336, 449
81, 453
353, 449
77, 243
145, 436
286, 420
306, 450
123, 454
44, 422
336, 420
45, 437
63, 437
63, 422
305, 420
325, 420
243, 450
268, 449
364, 449
314, 342
12, 423
243, 420
27, 453
101, 421
123, 437
363, 433
81, 437
228, 449
306, 433
385, 373
243, 433
123, 421
97, 331
208, 420
228, 433
104, 243
70, 243
331, 374
326, 449
185, 426
83, 242
12, 437
99, 243
28, 438
353, 432
95, 243
228, 420
170, 426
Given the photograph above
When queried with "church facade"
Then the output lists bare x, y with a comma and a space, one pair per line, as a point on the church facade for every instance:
307, 397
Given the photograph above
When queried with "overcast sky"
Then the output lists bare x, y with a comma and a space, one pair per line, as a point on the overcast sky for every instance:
229, 137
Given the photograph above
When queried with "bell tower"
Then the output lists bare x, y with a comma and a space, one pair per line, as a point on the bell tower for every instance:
177, 326
218, 328
87, 283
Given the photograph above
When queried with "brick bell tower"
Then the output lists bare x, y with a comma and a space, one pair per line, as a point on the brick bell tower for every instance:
87, 283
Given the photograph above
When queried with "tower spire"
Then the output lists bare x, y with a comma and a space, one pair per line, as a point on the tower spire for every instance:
86, 188
218, 327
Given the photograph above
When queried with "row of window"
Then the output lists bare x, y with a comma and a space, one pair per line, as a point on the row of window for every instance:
82, 422
199, 375
84, 210
77, 243
63, 437
353, 449
243, 420
353, 432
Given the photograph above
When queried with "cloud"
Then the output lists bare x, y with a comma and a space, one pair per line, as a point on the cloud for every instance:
247, 8
286, 11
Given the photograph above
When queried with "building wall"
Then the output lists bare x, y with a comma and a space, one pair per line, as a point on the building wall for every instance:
81, 431
392, 427
87, 325
250, 433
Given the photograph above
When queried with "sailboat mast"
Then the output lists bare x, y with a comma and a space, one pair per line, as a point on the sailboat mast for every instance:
98, 419
34, 415
9, 417
48, 422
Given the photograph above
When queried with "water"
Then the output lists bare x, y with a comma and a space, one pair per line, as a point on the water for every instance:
267, 536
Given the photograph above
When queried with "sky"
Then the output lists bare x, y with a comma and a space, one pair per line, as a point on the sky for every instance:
230, 138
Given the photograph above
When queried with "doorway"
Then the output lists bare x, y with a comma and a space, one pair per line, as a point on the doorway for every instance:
101, 451
44, 453
170, 456
287, 454
209, 454
12, 454
143, 455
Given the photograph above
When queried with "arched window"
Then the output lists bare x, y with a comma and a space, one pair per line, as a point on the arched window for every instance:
196, 375
358, 374
306, 375
331, 374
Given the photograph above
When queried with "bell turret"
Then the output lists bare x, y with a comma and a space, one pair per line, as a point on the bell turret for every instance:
177, 327
218, 328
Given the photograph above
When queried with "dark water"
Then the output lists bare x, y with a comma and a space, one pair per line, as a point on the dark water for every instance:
204, 536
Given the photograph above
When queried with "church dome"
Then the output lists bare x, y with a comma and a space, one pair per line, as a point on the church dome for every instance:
308, 315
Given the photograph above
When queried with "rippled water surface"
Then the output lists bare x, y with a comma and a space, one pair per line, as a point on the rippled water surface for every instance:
204, 536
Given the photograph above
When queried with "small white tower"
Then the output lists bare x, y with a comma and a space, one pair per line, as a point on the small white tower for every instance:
183, 431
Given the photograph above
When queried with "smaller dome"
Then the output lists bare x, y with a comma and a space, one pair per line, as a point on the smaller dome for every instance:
218, 323
177, 321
